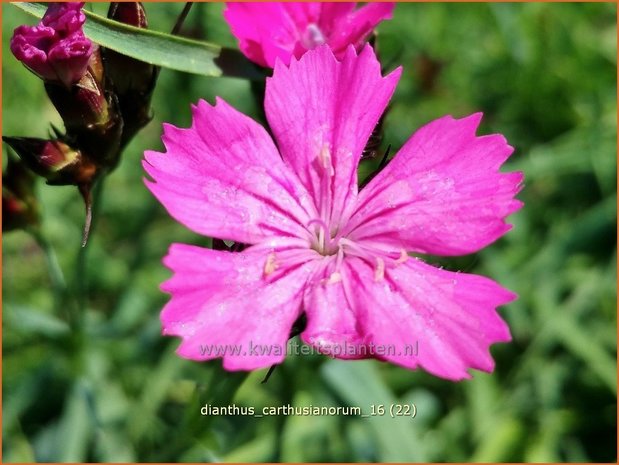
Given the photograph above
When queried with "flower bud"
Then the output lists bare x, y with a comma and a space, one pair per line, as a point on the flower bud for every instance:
19, 204
54, 160
56, 49
90, 113
60, 164
128, 74
84, 104
133, 80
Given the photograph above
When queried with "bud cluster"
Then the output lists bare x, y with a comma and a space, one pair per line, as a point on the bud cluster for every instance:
102, 96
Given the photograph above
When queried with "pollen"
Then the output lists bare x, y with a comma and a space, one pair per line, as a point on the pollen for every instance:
325, 160
379, 272
334, 278
403, 257
313, 37
271, 264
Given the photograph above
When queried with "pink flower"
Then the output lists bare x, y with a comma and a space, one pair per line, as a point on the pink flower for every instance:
267, 31
320, 246
56, 49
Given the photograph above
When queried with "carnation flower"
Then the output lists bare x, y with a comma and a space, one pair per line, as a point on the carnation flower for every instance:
267, 31
56, 49
320, 247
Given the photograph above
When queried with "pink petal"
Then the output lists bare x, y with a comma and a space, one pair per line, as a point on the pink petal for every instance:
64, 17
265, 31
56, 49
332, 325
268, 31
356, 27
323, 111
442, 193
29, 44
70, 57
332, 13
420, 316
224, 178
224, 306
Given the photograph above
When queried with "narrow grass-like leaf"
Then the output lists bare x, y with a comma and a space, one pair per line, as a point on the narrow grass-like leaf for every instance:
501, 441
359, 385
75, 429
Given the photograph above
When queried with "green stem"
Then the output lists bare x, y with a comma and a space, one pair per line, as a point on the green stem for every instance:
56, 276
181, 18
81, 278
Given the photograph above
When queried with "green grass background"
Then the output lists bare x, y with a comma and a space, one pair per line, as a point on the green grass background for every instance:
543, 74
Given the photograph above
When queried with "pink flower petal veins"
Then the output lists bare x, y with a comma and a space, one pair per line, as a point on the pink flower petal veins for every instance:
442, 193
223, 178
322, 124
271, 31
450, 315
357, 27
333, 322
223, 308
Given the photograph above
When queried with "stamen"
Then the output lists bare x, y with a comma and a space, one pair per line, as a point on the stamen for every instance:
312, 37
339, 259
321, 239
352, 246
335, 277
379, 272
322, 229
325, 160
403, 257
317, 221
370, 254
271, 264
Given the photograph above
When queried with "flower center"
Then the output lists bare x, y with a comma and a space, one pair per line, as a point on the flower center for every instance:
313, 37
328, 244
323, 241
325, 236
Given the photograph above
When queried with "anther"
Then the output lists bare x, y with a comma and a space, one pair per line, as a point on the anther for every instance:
334, 278
325, 160
379, 272
313, 37
271, 264
403, 257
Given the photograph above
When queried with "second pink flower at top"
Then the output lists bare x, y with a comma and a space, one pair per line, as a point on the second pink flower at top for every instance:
267, 31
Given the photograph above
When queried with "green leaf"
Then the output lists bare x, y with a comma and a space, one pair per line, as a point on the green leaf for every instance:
160, 49
26, 320
500, 442
360, 385
75, 428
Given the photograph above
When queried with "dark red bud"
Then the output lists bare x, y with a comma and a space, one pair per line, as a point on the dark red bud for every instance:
85, 104
126, 73
19, 204
131, 13
54, 160
91, 114
133, 80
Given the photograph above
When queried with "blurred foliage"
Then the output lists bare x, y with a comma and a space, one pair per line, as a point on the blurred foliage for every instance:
544, 74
